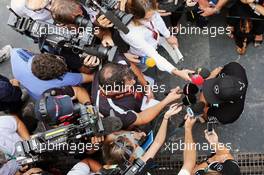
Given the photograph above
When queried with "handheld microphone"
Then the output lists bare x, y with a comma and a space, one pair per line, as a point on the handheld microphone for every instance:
197, 79
190, 89
189, 100
205, 73
200, 75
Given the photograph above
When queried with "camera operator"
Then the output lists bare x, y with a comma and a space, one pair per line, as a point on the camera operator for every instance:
65, 12
224, 93
144, 33
114, 88
38, 73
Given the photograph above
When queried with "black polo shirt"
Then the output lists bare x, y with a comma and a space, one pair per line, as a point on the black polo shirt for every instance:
127, 103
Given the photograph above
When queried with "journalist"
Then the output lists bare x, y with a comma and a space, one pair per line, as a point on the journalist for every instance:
144, 36
40, 72
224, 93
114, 88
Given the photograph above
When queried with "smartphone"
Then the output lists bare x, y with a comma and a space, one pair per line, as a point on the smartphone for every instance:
210, 127
148, 141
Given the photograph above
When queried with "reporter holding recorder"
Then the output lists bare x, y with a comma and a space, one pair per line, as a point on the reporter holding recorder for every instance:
144, 35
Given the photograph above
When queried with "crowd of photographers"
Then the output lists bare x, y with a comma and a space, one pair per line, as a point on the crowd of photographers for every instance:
82, 89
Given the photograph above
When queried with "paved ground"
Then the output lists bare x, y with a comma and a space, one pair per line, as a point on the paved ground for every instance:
246, 135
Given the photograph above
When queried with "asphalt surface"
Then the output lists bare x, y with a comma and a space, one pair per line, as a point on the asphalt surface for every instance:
246, 134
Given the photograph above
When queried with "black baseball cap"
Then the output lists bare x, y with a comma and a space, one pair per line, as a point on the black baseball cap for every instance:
52, 108
231, 167
224, 89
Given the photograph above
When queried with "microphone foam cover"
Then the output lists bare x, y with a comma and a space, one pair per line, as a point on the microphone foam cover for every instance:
197, 80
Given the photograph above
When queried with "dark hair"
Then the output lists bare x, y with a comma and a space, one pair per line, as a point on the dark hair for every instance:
65, 11
139, 7
116, 152
114, 75
48, 66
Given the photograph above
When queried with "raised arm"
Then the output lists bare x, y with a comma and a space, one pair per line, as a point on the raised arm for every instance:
161, 135
189, 154
150, 114
22, 129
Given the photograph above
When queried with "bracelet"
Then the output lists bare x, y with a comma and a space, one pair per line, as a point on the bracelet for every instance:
253, 6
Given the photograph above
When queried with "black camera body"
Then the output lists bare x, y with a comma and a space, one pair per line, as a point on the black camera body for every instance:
119, 18
89, 124
61, 37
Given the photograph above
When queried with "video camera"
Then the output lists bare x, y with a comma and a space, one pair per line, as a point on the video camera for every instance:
60, 37
109, 8
89, 124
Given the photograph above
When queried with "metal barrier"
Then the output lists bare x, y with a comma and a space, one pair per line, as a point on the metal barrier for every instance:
250, 164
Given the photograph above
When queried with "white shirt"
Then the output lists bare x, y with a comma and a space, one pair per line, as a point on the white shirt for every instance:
80, 169
19, 6
8, 134
142, 43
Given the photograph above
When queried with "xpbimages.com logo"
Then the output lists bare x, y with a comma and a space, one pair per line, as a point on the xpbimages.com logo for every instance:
173, 147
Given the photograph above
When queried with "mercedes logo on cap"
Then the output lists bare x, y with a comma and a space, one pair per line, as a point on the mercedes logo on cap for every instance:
216, 89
